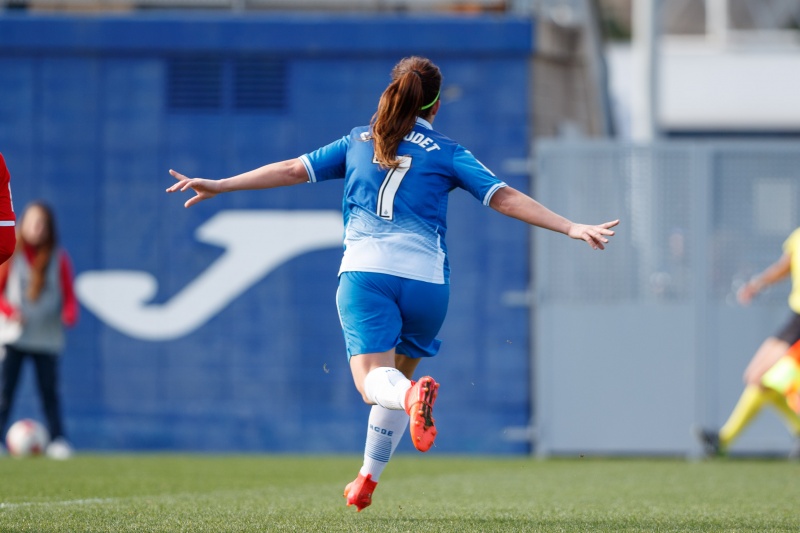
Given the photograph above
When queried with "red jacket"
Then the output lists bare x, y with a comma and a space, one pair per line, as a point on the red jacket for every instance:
8, 237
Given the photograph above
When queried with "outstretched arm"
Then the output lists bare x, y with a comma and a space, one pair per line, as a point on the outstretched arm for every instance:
515, 204
281, 174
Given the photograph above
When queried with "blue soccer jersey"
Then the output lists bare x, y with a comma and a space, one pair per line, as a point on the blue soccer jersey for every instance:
395, 219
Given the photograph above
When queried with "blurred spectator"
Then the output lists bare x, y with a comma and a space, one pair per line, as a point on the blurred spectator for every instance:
673, 280
37, 300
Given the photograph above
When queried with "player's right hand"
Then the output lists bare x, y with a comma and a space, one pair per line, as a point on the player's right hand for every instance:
204, 189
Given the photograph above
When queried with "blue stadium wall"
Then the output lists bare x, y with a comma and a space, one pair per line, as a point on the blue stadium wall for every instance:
194, 333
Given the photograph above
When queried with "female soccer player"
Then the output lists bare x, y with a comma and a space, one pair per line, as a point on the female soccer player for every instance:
755, 394
394, 276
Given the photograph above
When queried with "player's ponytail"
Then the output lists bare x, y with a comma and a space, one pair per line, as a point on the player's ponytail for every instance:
414, 90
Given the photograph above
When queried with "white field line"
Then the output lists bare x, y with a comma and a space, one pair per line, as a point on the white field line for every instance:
87, 501
269, 492
105, 501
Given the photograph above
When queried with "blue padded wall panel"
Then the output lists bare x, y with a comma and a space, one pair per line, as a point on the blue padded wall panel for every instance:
266, 371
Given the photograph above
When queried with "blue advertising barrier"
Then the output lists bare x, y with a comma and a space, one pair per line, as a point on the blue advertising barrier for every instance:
215, 328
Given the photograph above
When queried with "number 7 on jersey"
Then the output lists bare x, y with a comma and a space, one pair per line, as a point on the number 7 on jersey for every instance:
389, 187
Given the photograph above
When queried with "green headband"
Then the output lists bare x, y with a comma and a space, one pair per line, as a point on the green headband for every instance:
423, 108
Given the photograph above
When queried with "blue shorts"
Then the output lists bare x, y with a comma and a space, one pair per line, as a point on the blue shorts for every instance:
379, 312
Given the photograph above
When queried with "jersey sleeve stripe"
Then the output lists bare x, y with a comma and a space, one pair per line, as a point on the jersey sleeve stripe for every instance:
312, 178
7, 223
496, 187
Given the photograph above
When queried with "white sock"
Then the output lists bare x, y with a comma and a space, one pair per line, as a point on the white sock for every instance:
386, 428
387, 387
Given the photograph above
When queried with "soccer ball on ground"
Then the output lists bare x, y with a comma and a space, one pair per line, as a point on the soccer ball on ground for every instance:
26, 438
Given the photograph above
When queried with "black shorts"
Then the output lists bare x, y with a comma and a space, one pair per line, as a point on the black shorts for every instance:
790, 332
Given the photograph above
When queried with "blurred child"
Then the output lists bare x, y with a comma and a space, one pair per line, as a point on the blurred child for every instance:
37, 300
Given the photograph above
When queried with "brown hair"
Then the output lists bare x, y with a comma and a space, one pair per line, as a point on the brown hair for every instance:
416, 82
44, 253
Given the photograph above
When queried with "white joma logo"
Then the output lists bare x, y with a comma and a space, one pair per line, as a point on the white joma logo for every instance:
255, 243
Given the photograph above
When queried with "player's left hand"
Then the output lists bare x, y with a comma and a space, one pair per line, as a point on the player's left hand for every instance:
204, 189
595, 236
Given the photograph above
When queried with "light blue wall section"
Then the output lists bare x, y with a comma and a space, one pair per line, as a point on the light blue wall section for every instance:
637, 345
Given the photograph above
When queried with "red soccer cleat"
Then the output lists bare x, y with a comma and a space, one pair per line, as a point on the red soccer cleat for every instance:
359, 492
419, 406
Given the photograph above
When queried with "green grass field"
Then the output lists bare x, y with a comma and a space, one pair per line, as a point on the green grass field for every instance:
416, 493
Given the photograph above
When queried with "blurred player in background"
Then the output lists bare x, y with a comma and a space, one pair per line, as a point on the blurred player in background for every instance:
394, 277
8, 234
755, 394
37, 301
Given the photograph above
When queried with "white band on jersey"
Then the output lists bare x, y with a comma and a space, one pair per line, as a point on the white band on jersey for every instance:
7, 223
496, 187
312, 178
